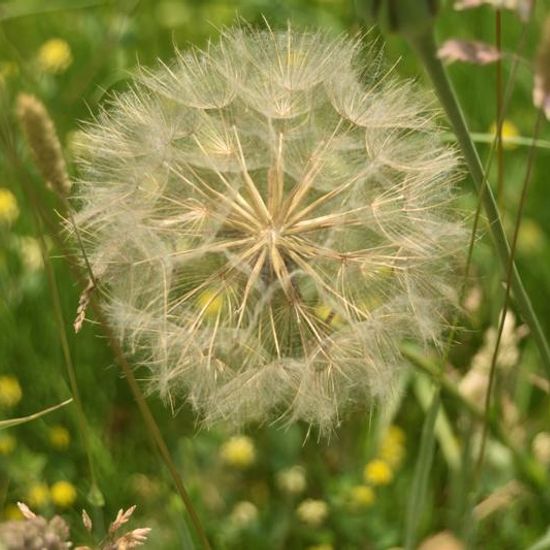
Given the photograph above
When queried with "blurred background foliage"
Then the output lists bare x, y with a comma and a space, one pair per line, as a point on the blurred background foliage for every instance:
271, 488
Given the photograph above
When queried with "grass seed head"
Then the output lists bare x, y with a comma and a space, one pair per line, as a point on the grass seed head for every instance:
270, 217
42, 139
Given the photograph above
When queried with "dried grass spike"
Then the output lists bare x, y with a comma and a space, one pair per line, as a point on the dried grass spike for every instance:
83, 303
87, 521
122, 517
133, 539
42, 138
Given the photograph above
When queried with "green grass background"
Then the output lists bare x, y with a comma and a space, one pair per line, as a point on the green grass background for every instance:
107, 40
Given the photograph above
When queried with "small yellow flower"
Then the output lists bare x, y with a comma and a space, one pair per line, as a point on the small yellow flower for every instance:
378, 472
7, 443
9, 211
10, 391
509, 131
54, 56
362, 496
312, 511
211, 302
292, 480
63, 494
396, 434
329, 316
38, 495
59, 437
392, 446
239, 452
12, 513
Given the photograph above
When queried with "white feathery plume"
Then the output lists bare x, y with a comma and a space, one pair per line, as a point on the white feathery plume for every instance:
269, 219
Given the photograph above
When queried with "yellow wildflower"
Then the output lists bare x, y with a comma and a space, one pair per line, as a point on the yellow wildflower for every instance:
38, 495
239, 452
211, 302
10, 391
292, 480
509, 131
63, 494
362, 496
378, 472
329, 316
54, 56
392, 448
12, 513
7, 443
395, 433
59, 437
9, 211
312, 511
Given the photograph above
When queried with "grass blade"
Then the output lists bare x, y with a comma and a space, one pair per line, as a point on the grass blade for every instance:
10, 423
421, 473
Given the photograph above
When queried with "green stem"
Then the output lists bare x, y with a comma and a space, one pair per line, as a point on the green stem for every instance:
424, 45
499, 102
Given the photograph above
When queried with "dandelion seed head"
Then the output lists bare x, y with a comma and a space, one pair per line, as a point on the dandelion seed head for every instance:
268, 219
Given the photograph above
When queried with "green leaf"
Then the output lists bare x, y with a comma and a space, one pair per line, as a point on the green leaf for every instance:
421, 473
10, 423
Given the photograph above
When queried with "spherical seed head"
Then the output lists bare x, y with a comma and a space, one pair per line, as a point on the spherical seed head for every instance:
269, 218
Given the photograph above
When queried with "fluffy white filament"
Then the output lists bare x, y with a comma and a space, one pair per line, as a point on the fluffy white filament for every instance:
268, 220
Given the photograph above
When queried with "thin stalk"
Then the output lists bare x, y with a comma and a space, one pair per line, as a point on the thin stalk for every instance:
424, 45
151, 423
492, 372
95, 492
499, 113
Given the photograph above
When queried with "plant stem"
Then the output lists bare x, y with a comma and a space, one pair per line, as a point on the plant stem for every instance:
499, 113
424, 45
151, 423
